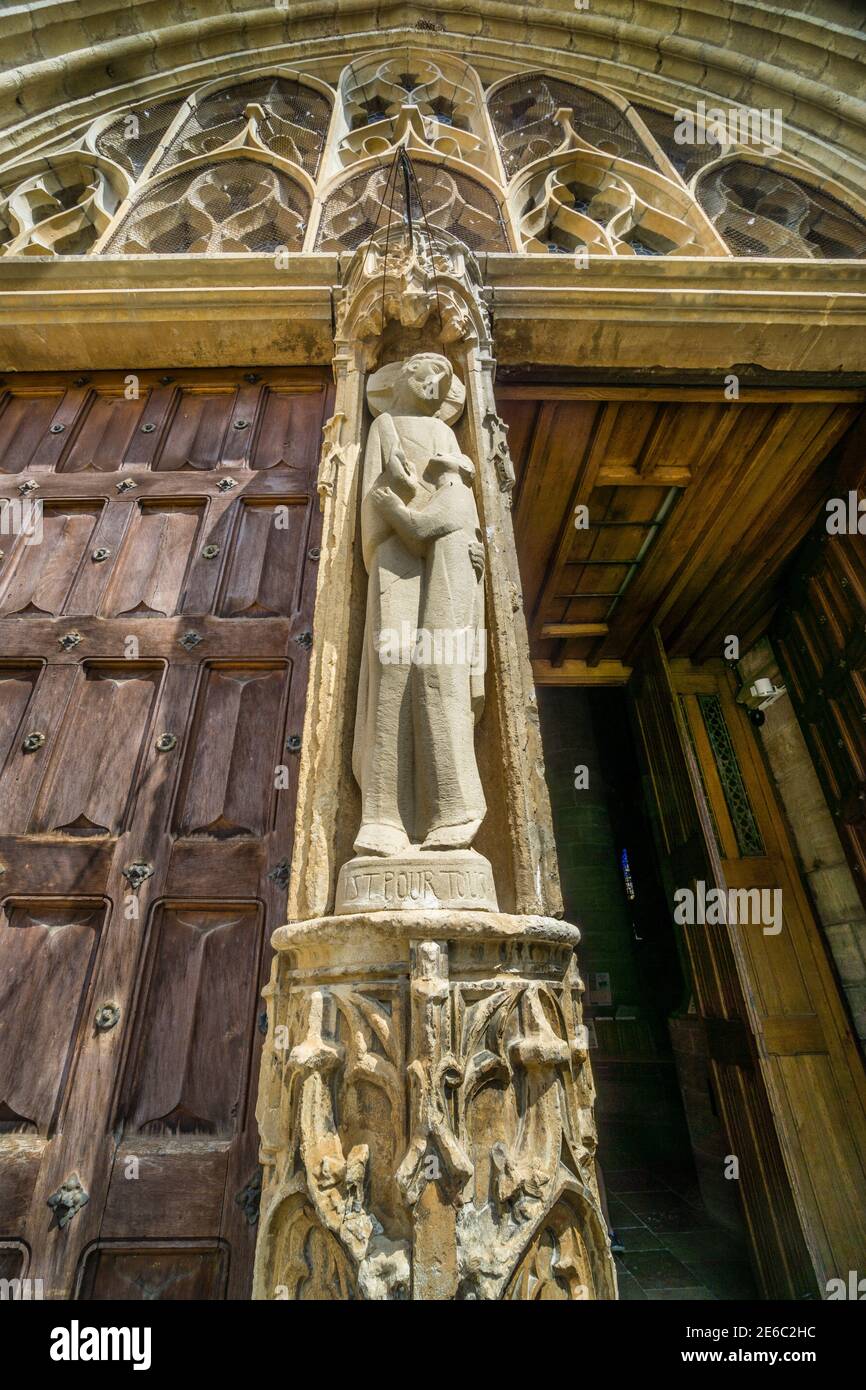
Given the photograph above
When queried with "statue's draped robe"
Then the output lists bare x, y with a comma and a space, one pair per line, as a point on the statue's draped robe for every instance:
414, 754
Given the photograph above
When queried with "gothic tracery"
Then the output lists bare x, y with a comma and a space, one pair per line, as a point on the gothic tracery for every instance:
536, 163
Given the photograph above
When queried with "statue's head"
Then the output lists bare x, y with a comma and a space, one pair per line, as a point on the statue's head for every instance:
425, 378
424, 384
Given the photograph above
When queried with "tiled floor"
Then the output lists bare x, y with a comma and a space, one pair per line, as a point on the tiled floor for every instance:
672, 1248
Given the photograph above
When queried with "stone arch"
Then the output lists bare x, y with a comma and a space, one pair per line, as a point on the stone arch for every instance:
824, 116
565, 1261
456, 199
771, 207
296, 113
238, 200
581, 200
524, 108
312, 1267
443, 91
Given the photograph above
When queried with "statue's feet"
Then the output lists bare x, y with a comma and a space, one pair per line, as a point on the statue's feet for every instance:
381, 839
452, 836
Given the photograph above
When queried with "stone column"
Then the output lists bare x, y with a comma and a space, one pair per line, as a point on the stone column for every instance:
425, 1102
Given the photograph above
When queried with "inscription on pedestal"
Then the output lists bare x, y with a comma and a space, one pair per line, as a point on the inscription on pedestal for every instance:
455, 879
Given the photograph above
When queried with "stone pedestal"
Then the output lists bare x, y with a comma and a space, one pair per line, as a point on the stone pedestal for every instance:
447, 879
475, 1182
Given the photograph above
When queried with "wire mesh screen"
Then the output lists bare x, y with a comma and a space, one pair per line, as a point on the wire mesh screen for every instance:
451, 202
687, 159
523, 116
761, 212
132, 138
293, 124
233, 205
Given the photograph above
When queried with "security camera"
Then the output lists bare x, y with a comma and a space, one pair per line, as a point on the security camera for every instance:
760, 695
762, 688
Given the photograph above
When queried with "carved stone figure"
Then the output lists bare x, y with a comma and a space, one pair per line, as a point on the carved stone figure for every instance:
421, 686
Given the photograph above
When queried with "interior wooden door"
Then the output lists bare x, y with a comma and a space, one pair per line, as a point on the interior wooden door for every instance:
819, 636
154, 645
809, 1058
689, 856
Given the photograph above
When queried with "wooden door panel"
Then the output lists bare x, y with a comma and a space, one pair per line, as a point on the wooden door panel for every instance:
104, 433
16, 691
38, 578
267, 560
717, 965
147, 580
158, 638
289, 429
168, 1191
782, 988
47, 954
190, 1067
176, 1271
234, 747
113, 704
25, 422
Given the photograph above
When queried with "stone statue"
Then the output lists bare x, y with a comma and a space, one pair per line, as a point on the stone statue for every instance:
421, 687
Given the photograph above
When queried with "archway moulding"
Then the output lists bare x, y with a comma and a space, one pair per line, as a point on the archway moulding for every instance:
757, 60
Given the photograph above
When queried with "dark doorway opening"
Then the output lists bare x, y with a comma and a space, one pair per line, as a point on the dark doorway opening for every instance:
661, 1146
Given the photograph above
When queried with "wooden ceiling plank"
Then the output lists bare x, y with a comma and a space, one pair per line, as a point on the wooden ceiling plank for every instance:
783, 459
758, 512
660, 477
680, 531
685, 547
783, 528
582, 485
561, 433
573, 629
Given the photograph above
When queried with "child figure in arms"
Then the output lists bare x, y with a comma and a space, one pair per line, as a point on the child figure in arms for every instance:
447, 687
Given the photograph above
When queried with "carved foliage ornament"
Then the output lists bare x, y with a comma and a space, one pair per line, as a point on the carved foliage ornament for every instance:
414, 284
499, 1125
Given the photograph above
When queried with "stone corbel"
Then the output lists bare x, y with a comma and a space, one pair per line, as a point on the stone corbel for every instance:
417, 285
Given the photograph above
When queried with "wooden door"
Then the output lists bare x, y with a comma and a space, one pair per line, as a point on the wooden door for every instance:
819, 637
785, 1068
154, 645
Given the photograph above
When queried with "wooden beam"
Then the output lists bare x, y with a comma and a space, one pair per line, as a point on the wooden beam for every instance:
616, 476
574, 630
758, 395
547, 479
584, 480
571, 672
